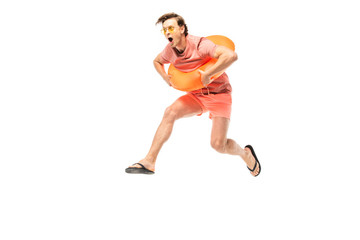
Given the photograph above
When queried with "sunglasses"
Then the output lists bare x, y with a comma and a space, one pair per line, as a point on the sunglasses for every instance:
170, 29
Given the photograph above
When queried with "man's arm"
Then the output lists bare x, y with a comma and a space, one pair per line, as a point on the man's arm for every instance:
159, 66
225, 58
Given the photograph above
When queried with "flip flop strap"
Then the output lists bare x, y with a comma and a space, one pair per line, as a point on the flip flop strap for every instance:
254, 167
140, 165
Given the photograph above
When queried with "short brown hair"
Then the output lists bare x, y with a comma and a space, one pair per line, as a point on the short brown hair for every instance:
180, 20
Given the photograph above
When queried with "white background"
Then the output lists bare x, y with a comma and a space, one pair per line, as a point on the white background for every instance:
80, 101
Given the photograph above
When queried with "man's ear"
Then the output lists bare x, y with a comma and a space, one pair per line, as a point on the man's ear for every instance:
182, 29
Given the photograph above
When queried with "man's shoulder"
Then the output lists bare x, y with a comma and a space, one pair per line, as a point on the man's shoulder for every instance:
195, 40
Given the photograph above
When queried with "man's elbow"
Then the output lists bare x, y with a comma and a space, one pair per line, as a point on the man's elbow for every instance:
234, 56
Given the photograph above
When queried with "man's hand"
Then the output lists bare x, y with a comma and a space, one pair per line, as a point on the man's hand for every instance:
167, 79
205, 78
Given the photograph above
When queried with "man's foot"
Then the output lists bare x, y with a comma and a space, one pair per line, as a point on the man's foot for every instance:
253, 163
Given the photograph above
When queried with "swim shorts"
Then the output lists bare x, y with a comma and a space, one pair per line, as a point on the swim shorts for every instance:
218, 104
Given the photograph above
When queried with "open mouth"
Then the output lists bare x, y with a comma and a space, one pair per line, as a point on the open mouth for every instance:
170, 39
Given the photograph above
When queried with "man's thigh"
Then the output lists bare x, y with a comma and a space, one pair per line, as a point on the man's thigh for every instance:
185, 106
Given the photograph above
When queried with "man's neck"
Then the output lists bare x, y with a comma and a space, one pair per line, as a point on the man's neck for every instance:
182, 45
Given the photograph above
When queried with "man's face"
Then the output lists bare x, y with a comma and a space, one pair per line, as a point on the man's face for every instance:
172, 31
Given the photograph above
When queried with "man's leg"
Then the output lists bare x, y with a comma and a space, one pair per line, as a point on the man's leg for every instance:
222, 144
184, 106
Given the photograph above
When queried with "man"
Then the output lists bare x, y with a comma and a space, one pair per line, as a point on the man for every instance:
187, 53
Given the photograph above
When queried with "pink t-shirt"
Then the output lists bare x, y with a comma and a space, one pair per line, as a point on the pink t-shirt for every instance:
198, 51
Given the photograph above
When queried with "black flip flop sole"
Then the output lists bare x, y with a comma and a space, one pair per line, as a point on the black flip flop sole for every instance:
256, 159
142, 170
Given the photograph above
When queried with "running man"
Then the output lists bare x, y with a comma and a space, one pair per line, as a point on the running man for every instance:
187, 53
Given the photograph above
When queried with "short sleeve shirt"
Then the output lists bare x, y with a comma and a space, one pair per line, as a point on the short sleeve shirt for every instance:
198, 51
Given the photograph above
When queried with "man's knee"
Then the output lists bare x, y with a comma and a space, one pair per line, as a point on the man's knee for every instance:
219, 145
171, 114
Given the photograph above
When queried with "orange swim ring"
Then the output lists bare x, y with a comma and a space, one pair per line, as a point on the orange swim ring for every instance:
190, 81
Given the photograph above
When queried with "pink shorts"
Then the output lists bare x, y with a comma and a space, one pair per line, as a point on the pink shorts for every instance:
218, 105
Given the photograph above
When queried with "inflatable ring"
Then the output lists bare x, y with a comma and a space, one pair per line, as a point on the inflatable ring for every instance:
190, 81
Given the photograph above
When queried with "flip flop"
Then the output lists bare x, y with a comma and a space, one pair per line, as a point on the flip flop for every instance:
257, 161
142, 170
